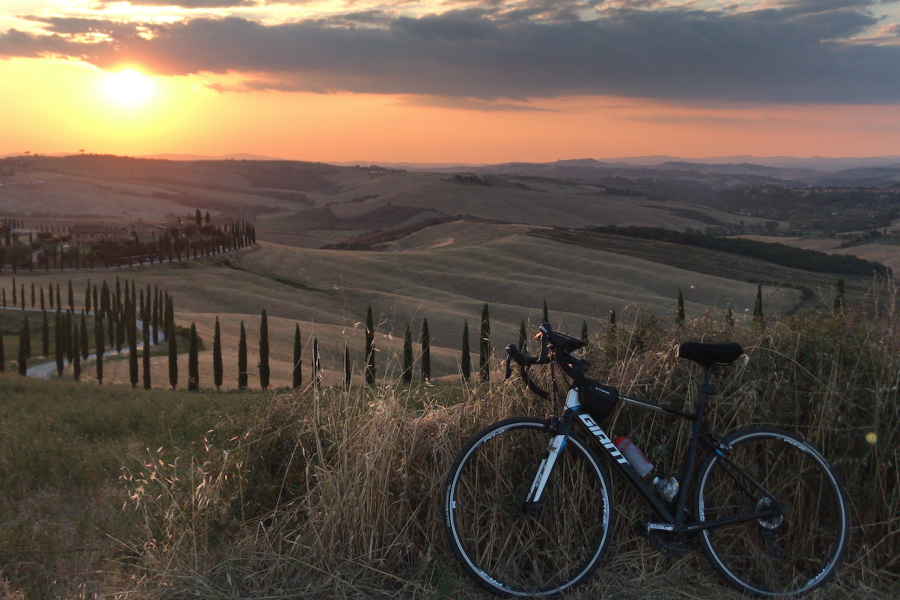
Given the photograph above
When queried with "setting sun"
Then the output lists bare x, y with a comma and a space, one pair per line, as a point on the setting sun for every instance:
128, 87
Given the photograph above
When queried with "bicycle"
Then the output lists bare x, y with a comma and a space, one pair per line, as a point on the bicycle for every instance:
528, 505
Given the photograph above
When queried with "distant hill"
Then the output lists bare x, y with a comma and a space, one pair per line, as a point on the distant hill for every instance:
237, 156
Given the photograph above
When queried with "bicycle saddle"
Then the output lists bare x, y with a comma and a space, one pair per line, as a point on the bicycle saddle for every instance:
710, 354
561, 341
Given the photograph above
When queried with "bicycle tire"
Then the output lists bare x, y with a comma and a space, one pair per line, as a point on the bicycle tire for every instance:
788, 554
513, 552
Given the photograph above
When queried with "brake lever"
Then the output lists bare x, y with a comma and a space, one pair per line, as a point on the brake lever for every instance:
510, 351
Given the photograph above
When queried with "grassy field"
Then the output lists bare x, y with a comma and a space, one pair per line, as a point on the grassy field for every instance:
887, 252
63, 505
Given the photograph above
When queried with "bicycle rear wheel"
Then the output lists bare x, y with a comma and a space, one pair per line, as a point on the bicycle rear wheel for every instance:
791, 552
507, 548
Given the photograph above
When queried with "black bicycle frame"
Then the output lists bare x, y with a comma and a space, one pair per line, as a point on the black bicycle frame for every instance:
671, 522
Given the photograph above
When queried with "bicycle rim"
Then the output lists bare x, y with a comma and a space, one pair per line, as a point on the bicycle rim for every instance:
789, 553
508, 549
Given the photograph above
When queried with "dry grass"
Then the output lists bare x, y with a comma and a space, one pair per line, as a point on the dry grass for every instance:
340, 494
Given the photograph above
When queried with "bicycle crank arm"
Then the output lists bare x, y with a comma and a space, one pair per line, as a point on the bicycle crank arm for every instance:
543, 474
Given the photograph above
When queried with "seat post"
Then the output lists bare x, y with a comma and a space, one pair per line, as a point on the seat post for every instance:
692, 448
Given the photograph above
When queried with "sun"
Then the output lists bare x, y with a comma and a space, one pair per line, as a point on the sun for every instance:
128, 87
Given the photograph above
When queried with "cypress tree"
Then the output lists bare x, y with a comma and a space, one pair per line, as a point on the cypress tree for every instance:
484, 345
14, 293
545, 314
26, 337
132, 352
117, 297
95, 305
145, 323
316, 365
112, 330
217, 357
45, 335
426, 352
198, 218
264, 351
59, 340
584, 332
242, 359
612, 318
87, 297
679, 312
155, 317
71, 297
193, 362
58, 298
523, 337
173, 357
32, 295
98, 342
23, 360
83, 338
76, 364
839, 298
758, 307
104, 299
3, 294
466, 360
43, 305
347, 371
407, 356
370, 348
23, 296
298, 356
121, 330
2, 354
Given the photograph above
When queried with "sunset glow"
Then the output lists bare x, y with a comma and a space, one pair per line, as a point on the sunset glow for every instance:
474, 81
128, 87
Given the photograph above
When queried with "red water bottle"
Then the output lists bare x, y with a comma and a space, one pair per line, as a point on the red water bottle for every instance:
633, 455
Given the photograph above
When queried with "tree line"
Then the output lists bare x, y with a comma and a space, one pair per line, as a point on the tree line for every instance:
779, 254
124, 307
45, 247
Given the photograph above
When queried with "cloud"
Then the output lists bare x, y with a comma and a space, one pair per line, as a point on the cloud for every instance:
796, 51
187, 3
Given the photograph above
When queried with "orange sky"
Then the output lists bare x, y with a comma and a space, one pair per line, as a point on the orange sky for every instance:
59, 104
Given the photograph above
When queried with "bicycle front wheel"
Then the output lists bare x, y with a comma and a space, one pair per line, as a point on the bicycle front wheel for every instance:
792, 551
514, 550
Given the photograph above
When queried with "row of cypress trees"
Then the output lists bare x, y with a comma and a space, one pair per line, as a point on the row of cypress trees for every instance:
119, 310
223, 238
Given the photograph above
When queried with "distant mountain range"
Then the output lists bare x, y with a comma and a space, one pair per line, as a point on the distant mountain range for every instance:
814, 163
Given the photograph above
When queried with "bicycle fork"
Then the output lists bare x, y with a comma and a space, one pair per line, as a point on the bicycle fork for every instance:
557, 443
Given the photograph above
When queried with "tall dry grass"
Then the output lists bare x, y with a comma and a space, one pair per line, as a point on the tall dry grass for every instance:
340, 493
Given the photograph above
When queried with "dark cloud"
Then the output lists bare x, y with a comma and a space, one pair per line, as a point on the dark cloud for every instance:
791, 53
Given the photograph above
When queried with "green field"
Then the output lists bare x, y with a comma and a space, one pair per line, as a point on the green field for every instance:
64, 448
